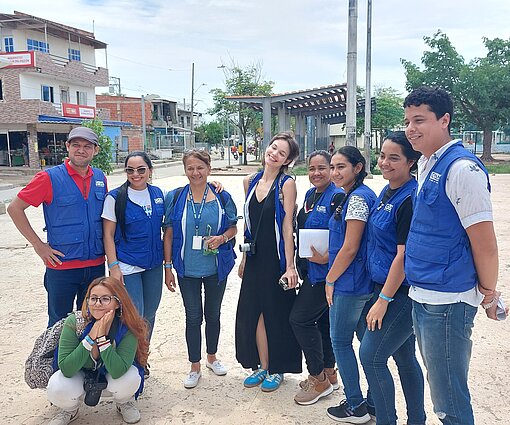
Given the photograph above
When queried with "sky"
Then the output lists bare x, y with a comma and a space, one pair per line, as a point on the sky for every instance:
299, 44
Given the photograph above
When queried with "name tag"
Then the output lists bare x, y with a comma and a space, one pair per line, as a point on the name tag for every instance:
197, 243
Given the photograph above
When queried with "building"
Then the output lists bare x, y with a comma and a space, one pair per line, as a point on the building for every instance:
48, 77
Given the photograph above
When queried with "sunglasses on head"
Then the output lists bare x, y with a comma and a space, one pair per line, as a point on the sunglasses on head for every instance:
139, 170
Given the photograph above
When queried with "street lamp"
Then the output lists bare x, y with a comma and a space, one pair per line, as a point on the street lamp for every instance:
193, 91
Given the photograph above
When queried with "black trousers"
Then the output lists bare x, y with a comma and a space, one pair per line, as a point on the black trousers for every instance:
309, 319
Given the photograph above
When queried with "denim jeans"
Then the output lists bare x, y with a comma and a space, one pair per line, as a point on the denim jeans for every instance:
346, 316
191, 291
309, 319
145, 289
63, 286
444, 337
395, 338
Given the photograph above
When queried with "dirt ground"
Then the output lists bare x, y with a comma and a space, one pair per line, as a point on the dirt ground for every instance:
216, 400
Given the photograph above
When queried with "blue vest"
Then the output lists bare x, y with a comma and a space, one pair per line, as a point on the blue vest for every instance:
279, 215
226, 255
438, 252
382, 232
143, 246
355, 280
318, 218
74, 225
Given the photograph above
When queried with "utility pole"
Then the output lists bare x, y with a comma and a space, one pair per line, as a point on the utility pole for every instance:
368, 96
352, 52
192, 134
144, 129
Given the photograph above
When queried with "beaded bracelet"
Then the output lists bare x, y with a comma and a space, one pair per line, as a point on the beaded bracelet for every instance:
168, 266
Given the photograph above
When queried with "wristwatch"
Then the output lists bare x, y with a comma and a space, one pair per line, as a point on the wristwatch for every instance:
488, 305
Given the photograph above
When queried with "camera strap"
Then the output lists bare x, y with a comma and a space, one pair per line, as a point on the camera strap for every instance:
263, 205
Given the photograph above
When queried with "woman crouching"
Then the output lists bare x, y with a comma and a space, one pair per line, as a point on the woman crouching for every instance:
110, 354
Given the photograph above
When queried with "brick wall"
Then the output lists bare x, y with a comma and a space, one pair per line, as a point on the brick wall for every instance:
127, 109
135, 138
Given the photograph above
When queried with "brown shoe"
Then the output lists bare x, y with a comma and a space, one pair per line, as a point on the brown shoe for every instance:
313, 389
332, 377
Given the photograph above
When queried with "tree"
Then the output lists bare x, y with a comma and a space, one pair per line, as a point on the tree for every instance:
103, 160
211, 133
479, 88
241, 81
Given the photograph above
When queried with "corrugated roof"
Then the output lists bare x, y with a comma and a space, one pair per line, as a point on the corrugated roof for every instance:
68, 120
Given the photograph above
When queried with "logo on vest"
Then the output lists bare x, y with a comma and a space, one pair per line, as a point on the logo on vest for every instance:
388, 207
321, 209
434, 177
99, 183
159, 201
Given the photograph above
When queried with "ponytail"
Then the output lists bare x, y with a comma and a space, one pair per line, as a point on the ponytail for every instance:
120, 208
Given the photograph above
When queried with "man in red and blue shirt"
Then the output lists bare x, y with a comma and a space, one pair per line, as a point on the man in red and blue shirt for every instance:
72, 195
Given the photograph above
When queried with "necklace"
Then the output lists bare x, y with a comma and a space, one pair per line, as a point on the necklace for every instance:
316, 197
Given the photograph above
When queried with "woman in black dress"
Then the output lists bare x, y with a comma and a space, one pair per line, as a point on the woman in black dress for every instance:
264, 339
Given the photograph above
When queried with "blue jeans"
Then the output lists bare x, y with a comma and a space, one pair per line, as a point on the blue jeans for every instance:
191, 291
145, 290
346, 316
444, 337
395, 338
63, 286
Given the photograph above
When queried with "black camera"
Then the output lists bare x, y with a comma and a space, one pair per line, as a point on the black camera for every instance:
284, 283
248, 247
94, 384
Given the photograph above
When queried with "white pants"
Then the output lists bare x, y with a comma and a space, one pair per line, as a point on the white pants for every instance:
68, 393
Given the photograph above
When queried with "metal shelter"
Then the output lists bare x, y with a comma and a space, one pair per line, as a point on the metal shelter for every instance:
314, 110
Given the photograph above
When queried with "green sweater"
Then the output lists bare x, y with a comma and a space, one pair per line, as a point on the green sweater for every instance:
73, 356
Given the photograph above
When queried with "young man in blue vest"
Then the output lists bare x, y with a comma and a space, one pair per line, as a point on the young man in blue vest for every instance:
72, 195
451, 259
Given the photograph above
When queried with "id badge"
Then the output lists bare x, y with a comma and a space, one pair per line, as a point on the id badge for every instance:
197, 243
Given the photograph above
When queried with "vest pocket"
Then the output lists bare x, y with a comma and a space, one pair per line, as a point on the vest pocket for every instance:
69, 211
69, 243
426, 263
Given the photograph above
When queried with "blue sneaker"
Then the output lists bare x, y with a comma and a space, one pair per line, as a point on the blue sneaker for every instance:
272, 382
255, 378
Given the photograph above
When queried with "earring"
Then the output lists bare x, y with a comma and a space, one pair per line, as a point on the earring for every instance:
120, 310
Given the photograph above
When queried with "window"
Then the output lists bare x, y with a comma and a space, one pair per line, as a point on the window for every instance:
1, 91
81, 98
64, 96
9, 44
74, 55
40, 46
47, 93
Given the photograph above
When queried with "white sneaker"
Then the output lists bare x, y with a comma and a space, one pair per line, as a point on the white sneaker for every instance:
217, 367
192, 379
63, 417
130, 413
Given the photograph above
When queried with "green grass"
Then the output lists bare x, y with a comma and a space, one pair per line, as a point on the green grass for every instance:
498, 168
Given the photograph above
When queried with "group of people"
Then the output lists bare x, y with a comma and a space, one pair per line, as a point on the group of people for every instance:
412, 264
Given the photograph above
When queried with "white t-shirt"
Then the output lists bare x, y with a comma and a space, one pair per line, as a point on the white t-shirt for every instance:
466, 187
139, 197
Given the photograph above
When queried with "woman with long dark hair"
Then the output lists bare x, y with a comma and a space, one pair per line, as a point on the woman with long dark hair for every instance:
265, 342
348, 286
389, 320
108, 341
132, 225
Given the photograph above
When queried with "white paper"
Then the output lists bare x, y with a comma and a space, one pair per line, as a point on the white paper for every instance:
501, 310
318, 238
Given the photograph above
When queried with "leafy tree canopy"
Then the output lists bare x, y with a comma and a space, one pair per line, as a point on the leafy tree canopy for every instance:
103, 160
211, 133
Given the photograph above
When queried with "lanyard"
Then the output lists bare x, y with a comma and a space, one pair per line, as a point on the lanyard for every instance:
199, 215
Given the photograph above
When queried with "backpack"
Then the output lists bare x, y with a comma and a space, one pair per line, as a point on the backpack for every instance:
39, 366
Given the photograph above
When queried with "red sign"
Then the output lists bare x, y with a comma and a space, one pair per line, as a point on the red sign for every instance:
78, 111
17, 60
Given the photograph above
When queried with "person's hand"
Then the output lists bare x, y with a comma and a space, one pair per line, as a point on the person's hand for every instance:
491, 312
317, 257
240, 270
218, 187
117, 274
329, 294
214, 242
48, 254
170, 279
106, 322
376, 314
292, 277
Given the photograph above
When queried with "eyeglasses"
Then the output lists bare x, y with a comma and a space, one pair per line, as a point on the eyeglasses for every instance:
104, 300
139, 170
